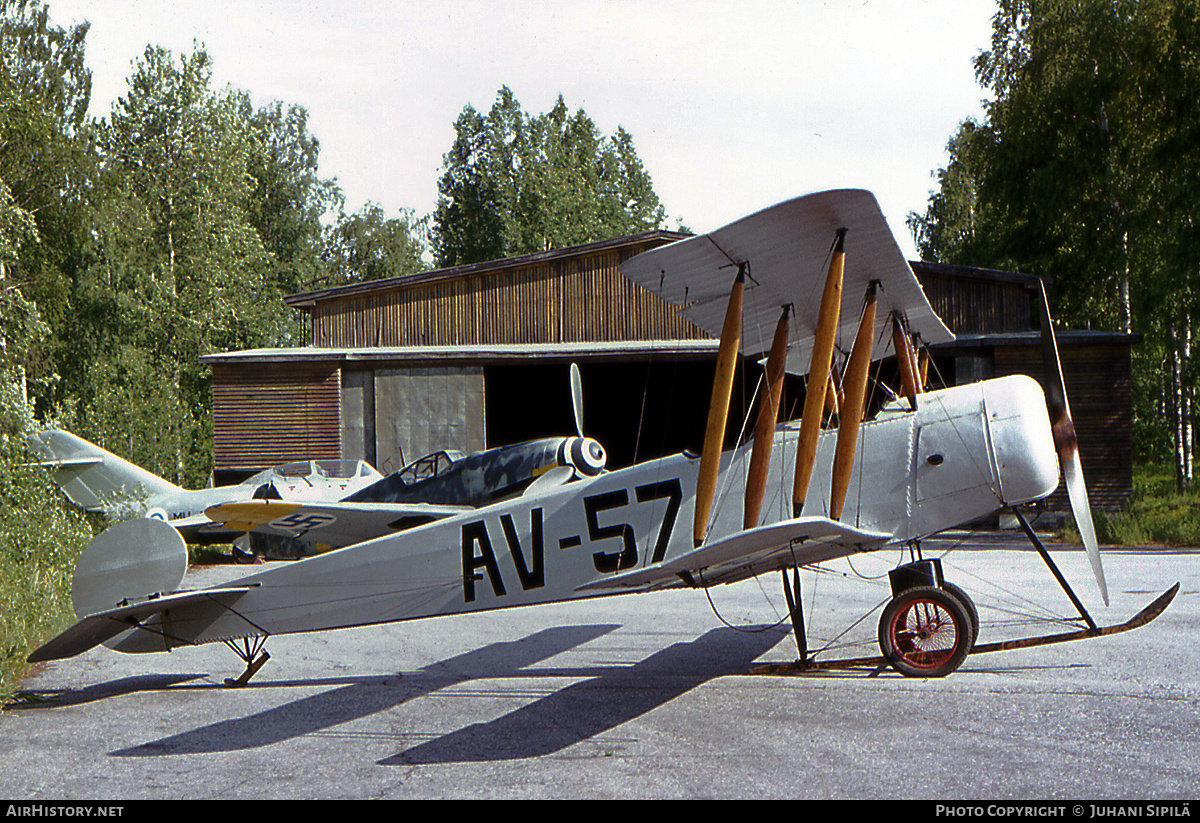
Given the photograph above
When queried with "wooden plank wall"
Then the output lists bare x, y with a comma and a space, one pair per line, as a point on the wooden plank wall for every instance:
265, 414
564, 300
977, 306
1100, 390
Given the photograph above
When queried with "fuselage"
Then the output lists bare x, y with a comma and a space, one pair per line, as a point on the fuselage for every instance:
963, 453
304, 481
480, 478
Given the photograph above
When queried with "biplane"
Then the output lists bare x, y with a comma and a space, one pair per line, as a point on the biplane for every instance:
815, 285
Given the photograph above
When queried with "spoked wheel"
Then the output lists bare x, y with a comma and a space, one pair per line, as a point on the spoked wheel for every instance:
925, 632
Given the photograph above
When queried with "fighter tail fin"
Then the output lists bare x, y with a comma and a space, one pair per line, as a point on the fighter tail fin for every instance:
92, 478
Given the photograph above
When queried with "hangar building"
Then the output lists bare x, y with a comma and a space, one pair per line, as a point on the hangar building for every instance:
477, 356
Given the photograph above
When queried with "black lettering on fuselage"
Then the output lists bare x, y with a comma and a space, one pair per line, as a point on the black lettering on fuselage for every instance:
477, 551
673, 492
533, 578
475, 534
606, 562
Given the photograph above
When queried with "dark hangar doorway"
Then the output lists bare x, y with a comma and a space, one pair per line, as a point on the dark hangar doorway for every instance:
638, 410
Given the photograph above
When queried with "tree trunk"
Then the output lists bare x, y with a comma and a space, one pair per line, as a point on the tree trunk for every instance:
1126, 313
1185, 393
1180, 404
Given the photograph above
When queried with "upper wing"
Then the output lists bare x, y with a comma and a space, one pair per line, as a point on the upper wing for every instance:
753, 551
788, 247
336, 524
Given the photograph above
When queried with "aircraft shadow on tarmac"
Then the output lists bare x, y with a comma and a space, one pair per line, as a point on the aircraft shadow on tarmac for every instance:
58, 698
591, 707
609, 696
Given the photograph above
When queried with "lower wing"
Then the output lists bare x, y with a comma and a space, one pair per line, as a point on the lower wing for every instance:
747, 553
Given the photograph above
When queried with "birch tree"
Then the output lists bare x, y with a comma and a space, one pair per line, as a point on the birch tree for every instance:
1086, 171
180, 265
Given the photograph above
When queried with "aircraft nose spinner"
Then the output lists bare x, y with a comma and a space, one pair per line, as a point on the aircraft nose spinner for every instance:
1020, 439
586, 455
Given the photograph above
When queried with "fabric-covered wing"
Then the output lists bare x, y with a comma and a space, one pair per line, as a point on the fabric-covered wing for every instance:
334, 524
750, 552
788, 248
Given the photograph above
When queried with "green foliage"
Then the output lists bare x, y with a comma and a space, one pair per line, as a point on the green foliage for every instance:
1086, 171
21, 326
950, 229
1156, 514
132, 245
367, 245
41, 535
516, 184
43, 61
170, 268
288, 205
44, 93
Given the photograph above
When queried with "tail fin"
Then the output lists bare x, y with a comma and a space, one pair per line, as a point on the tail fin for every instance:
90, 477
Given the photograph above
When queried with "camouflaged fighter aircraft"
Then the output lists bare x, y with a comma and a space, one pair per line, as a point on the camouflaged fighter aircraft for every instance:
816, 269
438, 485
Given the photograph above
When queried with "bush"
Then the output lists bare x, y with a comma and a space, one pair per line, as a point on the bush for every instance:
1156, 513
41, 536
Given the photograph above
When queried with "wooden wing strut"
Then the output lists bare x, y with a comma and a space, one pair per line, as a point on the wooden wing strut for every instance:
850, 418
818, 373
764, 428
718, 409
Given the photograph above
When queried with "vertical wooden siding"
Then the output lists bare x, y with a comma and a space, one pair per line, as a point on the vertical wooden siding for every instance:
977, 306
1100, 390
565, 300
265, 414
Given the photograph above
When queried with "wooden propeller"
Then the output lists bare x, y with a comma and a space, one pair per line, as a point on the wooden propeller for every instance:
1065, 441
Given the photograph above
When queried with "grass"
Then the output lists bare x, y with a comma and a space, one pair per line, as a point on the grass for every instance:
1156, 514
41, 536
214, 555
41, 539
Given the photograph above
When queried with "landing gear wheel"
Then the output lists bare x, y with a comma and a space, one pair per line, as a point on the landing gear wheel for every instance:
968, 604
925, 632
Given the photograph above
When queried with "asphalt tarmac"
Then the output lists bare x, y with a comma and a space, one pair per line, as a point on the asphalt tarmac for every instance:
649, 696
